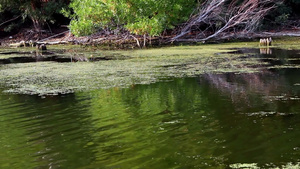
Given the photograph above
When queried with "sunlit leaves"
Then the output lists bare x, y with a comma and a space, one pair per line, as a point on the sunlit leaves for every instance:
138, 16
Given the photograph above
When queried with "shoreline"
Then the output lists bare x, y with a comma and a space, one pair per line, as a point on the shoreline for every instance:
128, 41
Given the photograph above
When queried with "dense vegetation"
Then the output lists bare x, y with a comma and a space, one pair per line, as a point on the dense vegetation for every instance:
15, 13
141, 17
138, 16
286, 11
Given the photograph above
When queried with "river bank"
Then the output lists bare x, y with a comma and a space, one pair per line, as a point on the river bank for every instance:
110, 40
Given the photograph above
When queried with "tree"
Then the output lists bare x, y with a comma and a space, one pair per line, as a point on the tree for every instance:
137, 16
286, 15
40, 12
221, 17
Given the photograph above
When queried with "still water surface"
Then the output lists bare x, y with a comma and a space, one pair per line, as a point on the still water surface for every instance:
208, 121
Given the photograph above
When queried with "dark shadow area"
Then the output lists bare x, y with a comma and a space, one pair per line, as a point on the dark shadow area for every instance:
57, 56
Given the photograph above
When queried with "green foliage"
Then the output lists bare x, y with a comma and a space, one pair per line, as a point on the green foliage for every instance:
138, 16
40, 12
82, 27
8, 11
283, 12
11, 27
282, 19
295, 1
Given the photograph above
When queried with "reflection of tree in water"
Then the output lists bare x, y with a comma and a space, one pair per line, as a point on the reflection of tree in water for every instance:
256, 109
247, 89
44, 131
267, 51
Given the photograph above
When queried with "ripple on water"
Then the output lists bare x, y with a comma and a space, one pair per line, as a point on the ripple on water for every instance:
176, 124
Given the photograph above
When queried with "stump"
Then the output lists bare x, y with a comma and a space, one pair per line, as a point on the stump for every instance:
265, 41
41, 47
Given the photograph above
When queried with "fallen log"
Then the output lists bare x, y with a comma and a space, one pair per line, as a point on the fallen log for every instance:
53, 36
53, 43
18, 44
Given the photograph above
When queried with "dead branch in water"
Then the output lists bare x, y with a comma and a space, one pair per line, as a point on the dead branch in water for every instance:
221, 17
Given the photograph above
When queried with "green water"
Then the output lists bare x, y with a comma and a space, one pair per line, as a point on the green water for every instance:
208, 120
205, 122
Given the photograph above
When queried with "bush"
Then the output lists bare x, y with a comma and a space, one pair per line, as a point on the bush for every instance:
284, 11
137, 16
38, 11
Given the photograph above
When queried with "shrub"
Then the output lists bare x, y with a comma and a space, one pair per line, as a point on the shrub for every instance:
137, 16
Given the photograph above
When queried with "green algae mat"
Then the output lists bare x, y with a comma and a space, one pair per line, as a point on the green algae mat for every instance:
67, 69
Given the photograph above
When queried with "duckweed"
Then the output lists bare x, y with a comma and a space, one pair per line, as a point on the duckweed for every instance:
126, 67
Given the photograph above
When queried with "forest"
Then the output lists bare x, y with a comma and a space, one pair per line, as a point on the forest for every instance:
175, 20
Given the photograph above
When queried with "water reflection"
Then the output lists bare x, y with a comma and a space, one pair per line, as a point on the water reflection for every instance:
252, 89
38, 133
203, 122
56, 55
267, 51
211, 121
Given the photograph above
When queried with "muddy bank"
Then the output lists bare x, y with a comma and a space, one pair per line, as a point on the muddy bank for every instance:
110, 40
105, 39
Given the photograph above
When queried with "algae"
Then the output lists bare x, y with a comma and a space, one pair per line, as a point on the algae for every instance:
289, 43
271, 166
123, 68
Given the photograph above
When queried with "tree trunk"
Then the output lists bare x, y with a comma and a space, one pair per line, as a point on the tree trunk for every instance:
36, 24
36, 5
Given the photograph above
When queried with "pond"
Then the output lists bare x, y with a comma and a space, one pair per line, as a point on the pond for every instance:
121, 109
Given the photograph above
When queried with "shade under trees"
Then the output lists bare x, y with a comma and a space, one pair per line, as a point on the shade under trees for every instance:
40, 12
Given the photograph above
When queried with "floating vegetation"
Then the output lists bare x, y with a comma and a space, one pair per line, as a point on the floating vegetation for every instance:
282, 98
249, 166
266, 114
144, 67
271, 166
287, 66
81, 69
289, 43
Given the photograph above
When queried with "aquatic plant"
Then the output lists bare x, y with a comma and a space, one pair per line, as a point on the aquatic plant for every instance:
122, 68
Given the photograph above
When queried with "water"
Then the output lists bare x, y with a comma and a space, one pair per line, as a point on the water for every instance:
209, 121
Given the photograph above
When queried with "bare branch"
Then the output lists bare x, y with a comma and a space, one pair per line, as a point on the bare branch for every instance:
10, 20
137, 41
208, 8
222, 18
